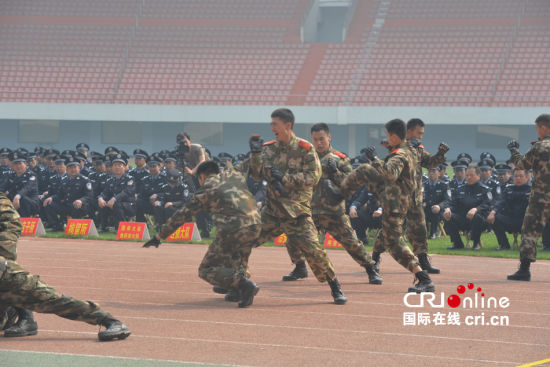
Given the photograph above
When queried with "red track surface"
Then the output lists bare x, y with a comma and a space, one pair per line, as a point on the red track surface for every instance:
174, 315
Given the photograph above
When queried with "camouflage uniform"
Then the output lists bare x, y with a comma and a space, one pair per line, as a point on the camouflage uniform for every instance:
290, 212
19, 288
416, 220
332, 218
393, 181
538, 210
233, 209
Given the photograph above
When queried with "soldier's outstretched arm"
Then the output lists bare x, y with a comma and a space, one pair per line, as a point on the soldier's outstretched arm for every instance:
199, 201
524, 162
391, 169
430, 161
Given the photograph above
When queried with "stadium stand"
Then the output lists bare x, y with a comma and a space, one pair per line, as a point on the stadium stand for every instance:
399, 52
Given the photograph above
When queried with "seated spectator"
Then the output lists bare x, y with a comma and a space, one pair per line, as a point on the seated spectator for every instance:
21, 187
176, 193
73, 198
364, 213
508, 212
467, 209
117, 201
435, 194
151, 186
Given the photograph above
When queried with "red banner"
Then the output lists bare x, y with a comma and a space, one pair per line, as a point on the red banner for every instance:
330, 241
132, 231
80, 227
281, 240
32, 227
186, 232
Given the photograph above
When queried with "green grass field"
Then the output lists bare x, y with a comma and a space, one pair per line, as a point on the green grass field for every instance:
436, 246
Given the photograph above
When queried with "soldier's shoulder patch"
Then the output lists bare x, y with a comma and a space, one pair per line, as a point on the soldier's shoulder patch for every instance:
269, 142
421, 146
340, 154
304, 144
395, 151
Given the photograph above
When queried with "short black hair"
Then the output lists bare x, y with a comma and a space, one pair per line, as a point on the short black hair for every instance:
321, 126
412, 123
285, 115
476, 168
397, 127
208, 168
543, 119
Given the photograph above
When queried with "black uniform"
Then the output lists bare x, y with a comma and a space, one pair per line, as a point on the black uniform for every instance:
455, 184
463, 199
5, 173
178, 195
510, 211
138, 175
434, 194
365, 204
149, 185
71, 189
123, 190
493, 184
26, 186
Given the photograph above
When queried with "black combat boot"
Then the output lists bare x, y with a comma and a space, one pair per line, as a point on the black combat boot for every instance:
337, 294
219, 290
299, 272
424, 283
248, 290
233, 295
425, 264
374, 277
11, 317
523, 273
25, 326
114, 330
376, 258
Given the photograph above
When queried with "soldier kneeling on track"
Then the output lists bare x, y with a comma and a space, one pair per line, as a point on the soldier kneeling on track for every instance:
233, 209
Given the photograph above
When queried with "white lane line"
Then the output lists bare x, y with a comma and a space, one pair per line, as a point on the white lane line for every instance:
114, 357
337, 330
270, 345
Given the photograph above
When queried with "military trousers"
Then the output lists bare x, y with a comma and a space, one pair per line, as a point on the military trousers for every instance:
302, 235
339, 226
19, 288
226, 260
536, 218
394, 211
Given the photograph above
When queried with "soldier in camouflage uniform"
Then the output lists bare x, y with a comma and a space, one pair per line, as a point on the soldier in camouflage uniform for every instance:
331, 218
416, 220
26, 292
537, 214
233, 209
394, 181
291, 168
